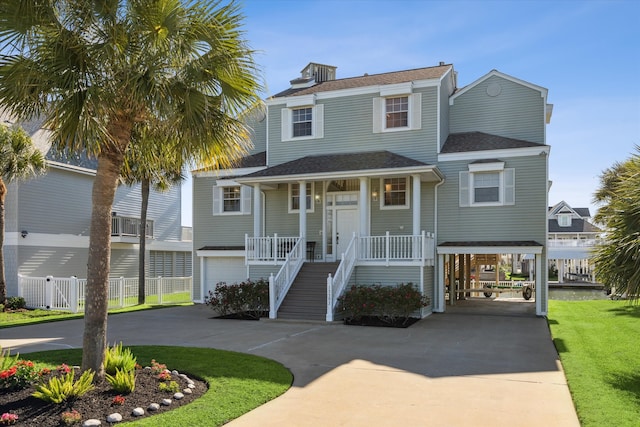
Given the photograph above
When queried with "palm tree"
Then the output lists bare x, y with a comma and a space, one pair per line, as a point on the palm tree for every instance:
19, 159
159, 166
96, 70
618, 259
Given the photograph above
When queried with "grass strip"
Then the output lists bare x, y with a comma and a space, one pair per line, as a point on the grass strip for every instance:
598, 346
30, 317
237, 382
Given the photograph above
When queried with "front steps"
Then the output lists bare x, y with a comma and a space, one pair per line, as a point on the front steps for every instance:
307, 297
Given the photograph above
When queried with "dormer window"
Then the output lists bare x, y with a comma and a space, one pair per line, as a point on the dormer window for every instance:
564, 220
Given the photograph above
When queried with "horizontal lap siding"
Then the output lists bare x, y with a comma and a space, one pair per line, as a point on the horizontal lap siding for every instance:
526, 220
279, 220
366, 275
348, 128
383, 220
517, 112
257, 272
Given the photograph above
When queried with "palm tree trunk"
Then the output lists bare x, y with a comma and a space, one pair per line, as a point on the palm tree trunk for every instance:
3, 283
94, 341
143, 239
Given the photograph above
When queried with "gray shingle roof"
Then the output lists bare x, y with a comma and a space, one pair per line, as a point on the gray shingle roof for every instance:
577, 226
327, 163
371, 80
480, 141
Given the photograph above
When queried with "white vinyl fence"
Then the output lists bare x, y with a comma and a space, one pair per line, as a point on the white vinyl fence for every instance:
68, 294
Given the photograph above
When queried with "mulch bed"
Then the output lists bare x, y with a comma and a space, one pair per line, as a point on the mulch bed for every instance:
96, 403
399, 322
245, 315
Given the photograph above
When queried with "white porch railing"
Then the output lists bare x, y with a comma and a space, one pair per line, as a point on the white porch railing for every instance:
124, 226
68, 294
269, 249
337, 283
280, 284
395, 248
573, 243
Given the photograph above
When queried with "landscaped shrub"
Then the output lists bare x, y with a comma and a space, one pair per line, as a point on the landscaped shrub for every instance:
6, 360
19, 376
247, 297
15, 303
64, 388
389, 303
116, 358
123, 381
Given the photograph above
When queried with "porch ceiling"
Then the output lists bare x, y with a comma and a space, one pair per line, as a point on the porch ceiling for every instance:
349, 165
491, 247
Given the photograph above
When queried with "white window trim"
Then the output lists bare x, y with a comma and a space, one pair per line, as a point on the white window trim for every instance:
310, 209
407, 199
414, 116
218, 202
506, 191
317, 123
564, 220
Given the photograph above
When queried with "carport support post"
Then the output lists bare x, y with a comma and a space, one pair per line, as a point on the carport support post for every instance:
462, 269
452, 279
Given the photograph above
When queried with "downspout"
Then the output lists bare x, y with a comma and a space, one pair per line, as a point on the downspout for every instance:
438, 289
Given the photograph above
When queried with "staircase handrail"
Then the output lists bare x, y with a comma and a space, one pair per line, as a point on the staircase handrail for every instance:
280, 284
336, 284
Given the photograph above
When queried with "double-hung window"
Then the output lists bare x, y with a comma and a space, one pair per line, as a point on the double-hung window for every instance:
487, 184
397, 112
302, 119
395, 193
294, 197
564, 220
397, 109
231, 200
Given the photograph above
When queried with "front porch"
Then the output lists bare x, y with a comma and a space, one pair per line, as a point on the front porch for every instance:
289, 253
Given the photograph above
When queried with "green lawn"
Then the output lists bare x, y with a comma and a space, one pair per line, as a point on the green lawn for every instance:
237, 382
29, 317
598, 343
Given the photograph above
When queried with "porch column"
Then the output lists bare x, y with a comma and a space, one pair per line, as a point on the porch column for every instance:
303, 208
257, 211
541, 309
364, 206
439, 291
416, 204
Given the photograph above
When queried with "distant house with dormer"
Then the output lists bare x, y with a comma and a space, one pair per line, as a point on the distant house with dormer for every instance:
572, 238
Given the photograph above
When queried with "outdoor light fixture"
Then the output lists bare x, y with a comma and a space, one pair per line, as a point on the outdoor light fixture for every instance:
374, 196
317, 198
24, 233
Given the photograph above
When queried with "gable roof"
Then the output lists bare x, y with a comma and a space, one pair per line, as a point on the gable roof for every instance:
480, 141
326, 164
563, 207
394, 77
543, 91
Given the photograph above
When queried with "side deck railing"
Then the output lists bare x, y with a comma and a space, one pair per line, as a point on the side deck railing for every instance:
68, 293
268, 249
397, 248
280, 283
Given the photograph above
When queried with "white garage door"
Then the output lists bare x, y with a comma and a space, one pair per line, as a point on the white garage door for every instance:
224, 269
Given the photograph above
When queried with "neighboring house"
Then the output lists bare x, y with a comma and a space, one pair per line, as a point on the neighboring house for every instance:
395, 176
48, 219
572, 238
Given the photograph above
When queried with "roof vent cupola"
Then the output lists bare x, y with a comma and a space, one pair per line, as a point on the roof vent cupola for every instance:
313, 74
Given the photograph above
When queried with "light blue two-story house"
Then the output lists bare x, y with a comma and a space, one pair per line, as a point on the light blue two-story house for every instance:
386, 178
47, 221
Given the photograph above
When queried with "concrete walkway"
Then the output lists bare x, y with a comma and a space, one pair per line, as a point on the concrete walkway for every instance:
483, 363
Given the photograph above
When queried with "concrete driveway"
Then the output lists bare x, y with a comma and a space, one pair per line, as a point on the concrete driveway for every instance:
483, 363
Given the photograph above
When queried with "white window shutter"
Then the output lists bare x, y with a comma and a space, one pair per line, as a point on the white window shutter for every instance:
318, 117
510, 186
245, 194
416, 110
287, 125
217, 200
377, 115
464, 189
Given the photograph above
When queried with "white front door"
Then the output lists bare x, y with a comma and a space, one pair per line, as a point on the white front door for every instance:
346, 225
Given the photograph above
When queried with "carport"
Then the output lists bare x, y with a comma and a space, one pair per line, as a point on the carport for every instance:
455, 258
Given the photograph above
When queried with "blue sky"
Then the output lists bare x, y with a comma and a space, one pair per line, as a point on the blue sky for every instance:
587, 53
